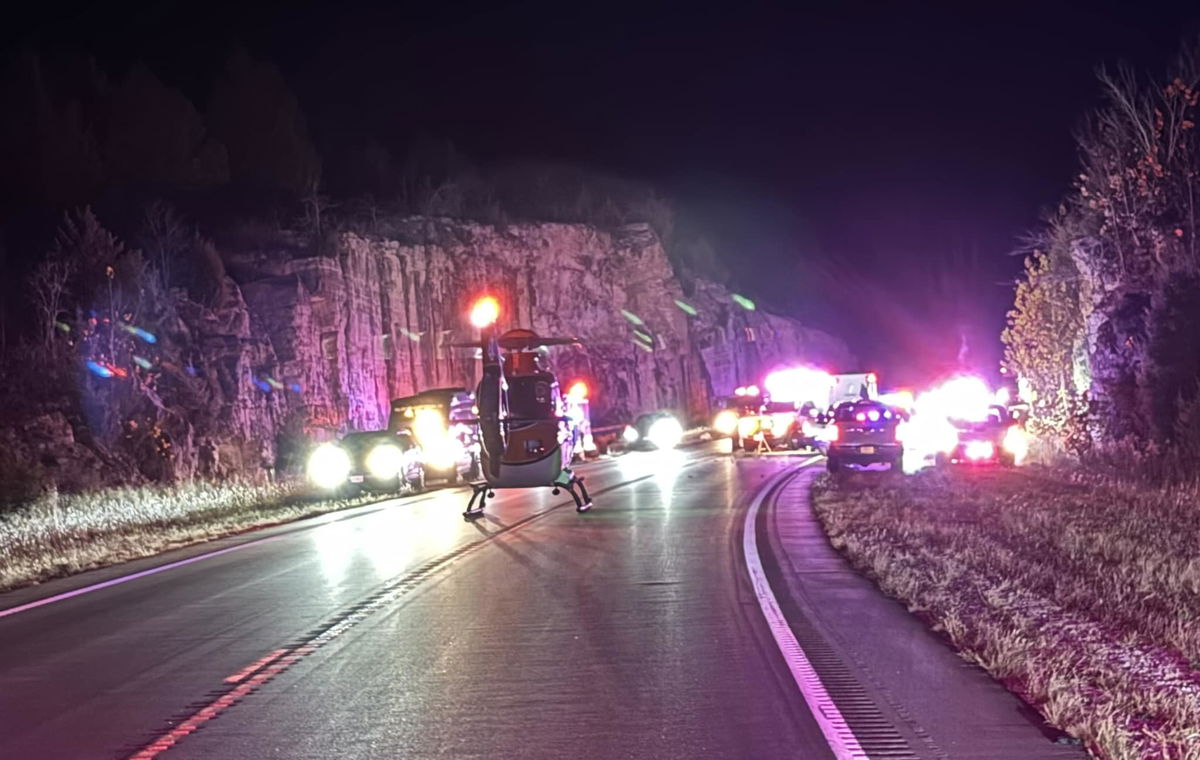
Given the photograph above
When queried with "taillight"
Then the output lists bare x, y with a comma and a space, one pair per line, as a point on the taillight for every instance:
834, 432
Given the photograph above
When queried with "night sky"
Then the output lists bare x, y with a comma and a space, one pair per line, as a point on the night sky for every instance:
869, 167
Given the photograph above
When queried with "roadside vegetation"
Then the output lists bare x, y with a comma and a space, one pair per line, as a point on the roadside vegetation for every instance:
62, 534
1079, 593
1102, 329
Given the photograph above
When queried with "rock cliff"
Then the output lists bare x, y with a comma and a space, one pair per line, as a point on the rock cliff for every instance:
296, 347
377, 318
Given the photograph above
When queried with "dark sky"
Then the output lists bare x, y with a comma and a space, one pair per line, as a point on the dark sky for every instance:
848, 156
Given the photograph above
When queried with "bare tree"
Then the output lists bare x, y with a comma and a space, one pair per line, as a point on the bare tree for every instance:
164, 237
48, 288
315, 207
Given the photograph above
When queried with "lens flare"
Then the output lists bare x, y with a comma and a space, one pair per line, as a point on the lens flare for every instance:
742, 301
485, 312
385, 461
578, 392
749, 426
328, 466
726, 422
781, 422
799, 384
665, 433
979, 450
429, 426
98, 369
444, 454
1016, 442
685, 307
902, 399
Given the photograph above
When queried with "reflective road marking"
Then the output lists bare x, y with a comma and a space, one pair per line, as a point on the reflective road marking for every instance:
837, 733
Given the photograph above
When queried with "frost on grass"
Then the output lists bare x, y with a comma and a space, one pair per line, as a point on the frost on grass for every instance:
60, 534
1082, 596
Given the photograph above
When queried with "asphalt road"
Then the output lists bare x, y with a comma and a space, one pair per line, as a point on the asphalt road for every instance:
402, 631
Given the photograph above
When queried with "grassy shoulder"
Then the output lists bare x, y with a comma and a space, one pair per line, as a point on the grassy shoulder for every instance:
1082, 597
60, 534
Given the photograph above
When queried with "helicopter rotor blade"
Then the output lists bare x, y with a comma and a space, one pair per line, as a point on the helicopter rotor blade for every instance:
523, 342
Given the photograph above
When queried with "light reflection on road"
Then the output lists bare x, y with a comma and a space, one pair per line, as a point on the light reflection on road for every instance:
406, 531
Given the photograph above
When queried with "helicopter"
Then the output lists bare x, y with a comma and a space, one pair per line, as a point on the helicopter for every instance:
526, 438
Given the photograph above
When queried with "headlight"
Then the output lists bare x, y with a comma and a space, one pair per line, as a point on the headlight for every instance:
328, 466
1016, 443
630, 434
385, 461
726, 422
429, 427
979, 450
444, 454
748, 426
665, 433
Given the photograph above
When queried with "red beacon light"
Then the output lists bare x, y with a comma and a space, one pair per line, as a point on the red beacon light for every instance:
578, 392
485, 312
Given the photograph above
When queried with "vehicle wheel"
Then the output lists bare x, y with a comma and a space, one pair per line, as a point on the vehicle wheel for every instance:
1007, 460
833, 465
942, 459
897, 463
452, 478
735, 443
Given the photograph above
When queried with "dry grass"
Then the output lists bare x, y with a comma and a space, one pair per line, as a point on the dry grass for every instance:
62, 534
1082, 596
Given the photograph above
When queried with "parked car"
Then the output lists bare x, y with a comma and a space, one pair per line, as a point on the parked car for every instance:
444, 424
863, 433
377, 460
655, 430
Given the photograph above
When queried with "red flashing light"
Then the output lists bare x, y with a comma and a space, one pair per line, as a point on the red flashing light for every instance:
485, 312
578, 391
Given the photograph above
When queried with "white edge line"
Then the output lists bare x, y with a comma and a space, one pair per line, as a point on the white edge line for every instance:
841, 740
318, 521
131, 577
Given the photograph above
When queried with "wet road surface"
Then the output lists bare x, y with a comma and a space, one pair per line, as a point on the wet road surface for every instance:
403, 631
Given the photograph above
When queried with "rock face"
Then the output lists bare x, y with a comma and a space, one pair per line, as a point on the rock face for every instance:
1116, 318
292, 349
377, 320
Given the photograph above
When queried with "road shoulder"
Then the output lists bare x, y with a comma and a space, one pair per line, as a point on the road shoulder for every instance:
942, 706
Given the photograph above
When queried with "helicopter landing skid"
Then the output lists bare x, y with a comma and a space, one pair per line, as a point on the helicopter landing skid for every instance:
579, 493
481, 492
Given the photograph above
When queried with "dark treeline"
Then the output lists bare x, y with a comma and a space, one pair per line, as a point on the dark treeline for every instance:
73, 135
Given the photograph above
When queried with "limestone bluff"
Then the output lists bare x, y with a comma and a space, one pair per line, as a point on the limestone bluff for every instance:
298, 346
